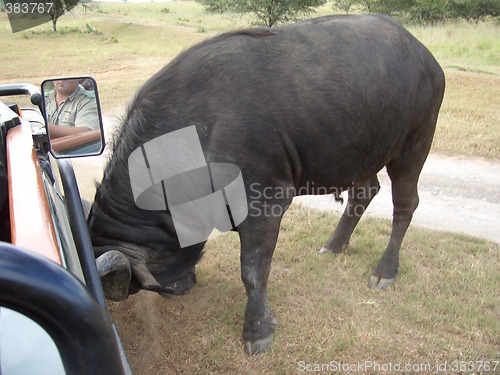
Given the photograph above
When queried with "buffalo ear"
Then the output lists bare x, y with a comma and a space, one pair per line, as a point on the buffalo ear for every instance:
116, 274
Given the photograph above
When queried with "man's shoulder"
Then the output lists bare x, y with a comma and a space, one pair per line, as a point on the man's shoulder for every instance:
89, 94
86, 93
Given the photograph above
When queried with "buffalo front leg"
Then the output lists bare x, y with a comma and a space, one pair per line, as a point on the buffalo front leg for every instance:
258, 240
359, 198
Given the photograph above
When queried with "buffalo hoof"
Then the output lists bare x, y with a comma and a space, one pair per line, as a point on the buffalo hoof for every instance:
258, 346
336, 250
323, 250
378, 283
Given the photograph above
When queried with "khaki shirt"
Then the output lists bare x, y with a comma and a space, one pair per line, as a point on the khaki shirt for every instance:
80, 109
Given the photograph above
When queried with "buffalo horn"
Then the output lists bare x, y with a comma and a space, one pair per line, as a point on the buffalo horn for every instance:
116, 274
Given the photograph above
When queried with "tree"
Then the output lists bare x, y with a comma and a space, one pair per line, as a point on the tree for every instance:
59, 7
427, 11
474, 10
344, 5
269, 12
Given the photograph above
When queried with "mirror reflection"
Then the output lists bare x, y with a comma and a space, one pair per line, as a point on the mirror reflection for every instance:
72, 111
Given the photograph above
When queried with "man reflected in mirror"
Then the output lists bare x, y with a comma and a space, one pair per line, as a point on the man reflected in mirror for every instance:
71, 109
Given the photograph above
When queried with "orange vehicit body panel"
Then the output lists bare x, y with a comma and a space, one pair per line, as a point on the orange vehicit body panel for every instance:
31, 221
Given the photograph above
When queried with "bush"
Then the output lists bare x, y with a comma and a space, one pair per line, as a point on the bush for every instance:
269, 12
474, 10
426, 11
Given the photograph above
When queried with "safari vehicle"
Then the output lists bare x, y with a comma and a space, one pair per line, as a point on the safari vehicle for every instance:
53, 314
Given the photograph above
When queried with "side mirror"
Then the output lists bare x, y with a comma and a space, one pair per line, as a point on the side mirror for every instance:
73, 117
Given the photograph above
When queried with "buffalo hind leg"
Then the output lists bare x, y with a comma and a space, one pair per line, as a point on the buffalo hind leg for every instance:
359, 198
258, 240
405, 201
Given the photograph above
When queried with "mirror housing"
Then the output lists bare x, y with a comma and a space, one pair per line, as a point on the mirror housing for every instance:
73, 117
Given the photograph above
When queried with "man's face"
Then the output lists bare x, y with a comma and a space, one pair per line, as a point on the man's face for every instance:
67, 86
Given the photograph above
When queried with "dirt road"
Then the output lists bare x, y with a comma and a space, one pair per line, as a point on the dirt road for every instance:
456, 194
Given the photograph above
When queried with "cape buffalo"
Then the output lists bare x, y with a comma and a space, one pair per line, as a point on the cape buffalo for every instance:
315, 107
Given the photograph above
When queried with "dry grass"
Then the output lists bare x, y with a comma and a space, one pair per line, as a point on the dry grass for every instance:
444, 305
469, 120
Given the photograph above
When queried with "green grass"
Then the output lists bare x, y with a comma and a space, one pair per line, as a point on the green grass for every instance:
463, 45
443, 306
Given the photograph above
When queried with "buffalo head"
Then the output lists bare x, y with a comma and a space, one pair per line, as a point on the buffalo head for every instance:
132, 255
